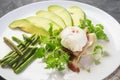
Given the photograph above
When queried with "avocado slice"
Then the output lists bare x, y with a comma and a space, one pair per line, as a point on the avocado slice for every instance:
51, 16
77, 15
62, 12
28, 27
43, 22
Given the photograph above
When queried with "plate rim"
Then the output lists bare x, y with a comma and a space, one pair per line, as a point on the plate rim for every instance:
27, 5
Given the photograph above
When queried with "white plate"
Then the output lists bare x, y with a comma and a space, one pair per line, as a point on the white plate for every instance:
36, 70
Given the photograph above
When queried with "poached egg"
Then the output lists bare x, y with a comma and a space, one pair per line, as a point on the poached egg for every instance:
73, 38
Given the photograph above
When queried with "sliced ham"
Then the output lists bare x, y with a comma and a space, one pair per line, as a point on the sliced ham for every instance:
74, 59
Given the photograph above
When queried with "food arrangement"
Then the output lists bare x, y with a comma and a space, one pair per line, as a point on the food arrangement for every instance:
62, 38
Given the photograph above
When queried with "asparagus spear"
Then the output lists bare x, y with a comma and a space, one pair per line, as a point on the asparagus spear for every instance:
15, 60
25, 64
7, 56
12, 46
17, 57
11, 53
21, 47
4, 64
26, 38
25, 57
17, 40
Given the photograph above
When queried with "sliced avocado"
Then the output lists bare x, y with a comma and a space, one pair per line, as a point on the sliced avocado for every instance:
77, 15
51, 16
26, 26
43, 22
62, 12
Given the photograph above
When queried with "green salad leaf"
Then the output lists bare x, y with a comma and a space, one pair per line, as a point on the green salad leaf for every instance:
51, 51
98, 47
40, 52
57, 59
97, 29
